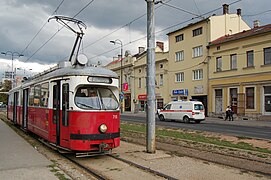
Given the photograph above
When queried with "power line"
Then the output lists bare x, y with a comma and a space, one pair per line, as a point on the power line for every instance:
258, 13
129, 23
112, 32
183, 10
42, 27
197, 7
58, 31
186, 21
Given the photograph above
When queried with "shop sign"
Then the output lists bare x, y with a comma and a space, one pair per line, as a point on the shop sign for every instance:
180, 92
142, 96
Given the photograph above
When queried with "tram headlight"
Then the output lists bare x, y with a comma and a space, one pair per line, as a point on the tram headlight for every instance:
103, 128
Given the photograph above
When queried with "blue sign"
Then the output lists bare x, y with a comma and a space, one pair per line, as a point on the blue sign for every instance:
180, 92
121, 96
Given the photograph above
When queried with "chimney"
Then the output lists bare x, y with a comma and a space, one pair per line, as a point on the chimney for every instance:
160, 45
239, 12
141, 50
225, 9
256, 23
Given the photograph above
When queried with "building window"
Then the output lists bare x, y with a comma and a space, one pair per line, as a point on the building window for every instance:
179, 77
250, 98
139, 70
267, 55
161, 66
179, 38
250, 58
161, 80
233, 61
197, 74
139, 82
197, 31
218, 64
179, 56
197, 51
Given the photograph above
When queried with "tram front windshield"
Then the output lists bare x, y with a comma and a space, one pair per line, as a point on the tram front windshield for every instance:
96, 98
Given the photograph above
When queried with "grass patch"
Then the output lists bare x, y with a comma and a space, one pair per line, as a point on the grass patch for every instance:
55, 170
193, 136
243, 137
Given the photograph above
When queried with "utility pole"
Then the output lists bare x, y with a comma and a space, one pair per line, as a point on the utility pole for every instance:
150, 78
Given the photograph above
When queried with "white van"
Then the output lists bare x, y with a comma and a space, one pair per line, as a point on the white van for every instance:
183, 111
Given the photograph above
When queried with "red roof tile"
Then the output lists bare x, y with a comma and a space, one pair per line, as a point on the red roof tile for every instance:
244, 34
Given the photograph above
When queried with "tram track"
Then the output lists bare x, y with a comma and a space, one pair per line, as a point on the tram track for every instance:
123, 167
231, 157
112, 169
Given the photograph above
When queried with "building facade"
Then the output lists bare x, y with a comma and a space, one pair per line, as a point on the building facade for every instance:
240, 73
189, 55
134, 75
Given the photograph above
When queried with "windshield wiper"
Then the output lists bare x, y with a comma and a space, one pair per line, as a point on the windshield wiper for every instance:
86, 105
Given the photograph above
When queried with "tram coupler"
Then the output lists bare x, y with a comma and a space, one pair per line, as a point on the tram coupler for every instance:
102, 147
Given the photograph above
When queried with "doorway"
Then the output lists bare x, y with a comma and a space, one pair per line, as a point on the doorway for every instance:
56, 110
25, 108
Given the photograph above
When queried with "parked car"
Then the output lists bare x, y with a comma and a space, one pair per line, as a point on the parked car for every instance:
185, 111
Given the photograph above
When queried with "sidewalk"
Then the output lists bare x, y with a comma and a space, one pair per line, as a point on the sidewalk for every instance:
266, 123
19, 160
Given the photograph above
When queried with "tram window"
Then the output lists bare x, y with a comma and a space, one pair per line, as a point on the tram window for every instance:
37, 95
65, 104
31, 96
10, 100
44, 95
109, 101
95, 98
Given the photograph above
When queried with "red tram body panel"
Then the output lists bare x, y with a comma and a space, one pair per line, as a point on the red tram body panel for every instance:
76, 109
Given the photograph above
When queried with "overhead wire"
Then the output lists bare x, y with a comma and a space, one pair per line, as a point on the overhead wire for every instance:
57, 31
197, 6
117, 29
258, 13
55, 11
186, 21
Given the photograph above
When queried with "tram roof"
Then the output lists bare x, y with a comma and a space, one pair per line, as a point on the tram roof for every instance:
70, 71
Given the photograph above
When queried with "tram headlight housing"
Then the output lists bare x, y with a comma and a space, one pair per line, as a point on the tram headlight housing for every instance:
103, 128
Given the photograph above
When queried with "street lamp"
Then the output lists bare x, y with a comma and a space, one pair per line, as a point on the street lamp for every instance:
117, 41
12, 55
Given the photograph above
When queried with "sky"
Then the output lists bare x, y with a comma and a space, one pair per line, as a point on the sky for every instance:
24, 27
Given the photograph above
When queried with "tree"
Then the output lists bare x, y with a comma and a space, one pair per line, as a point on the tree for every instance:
5, 88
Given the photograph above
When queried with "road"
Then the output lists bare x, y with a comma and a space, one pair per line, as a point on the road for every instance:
227, 128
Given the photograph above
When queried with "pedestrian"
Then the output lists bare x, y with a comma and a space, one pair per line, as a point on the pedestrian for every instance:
231, 114
228, 112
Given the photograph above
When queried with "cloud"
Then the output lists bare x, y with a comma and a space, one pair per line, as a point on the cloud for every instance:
106, 20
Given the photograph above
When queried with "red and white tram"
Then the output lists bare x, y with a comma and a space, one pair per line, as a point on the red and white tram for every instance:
74, 107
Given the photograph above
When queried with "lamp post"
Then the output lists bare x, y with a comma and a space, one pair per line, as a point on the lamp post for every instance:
12, 56
117, 41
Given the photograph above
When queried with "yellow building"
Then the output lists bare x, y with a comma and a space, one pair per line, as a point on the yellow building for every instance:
134, 72
124, 66
140, 74
188, 54
240, 73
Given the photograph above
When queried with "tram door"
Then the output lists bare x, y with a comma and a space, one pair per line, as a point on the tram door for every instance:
25, 108
16, 96
56, 110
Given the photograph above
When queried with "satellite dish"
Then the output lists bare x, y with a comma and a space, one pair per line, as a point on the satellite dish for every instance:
73, 60
82, 59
